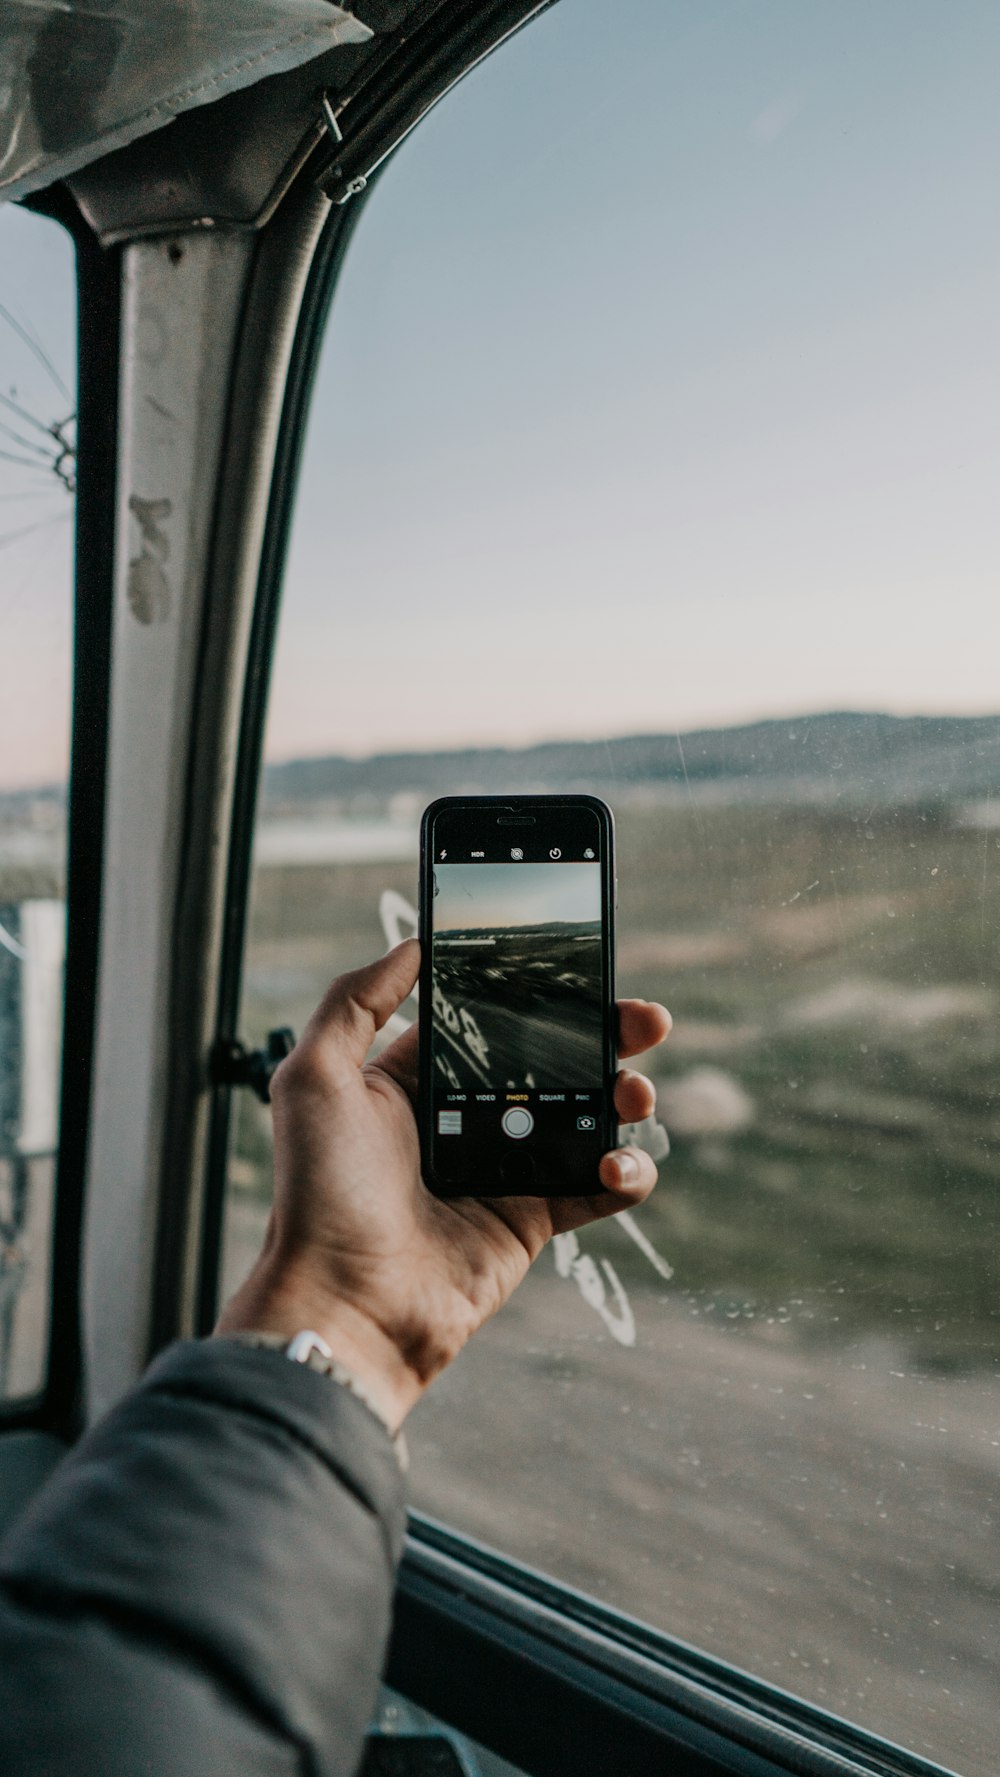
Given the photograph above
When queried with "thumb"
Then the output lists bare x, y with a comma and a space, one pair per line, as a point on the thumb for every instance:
342, 1029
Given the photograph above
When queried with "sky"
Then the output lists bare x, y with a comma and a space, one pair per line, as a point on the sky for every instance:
661, 390
472, 896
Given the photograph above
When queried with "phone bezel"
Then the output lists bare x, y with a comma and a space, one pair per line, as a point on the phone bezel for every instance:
494, 1186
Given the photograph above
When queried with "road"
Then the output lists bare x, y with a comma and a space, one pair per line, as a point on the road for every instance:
521, 1031
514, 1050
818, 1517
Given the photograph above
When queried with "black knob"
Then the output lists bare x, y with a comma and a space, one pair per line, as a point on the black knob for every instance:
234, 1065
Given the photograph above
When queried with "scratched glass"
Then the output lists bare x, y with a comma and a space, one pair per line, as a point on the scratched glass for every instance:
37, 443
680, 425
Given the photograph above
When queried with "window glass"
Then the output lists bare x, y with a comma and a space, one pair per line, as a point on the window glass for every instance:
654, 452
37, 444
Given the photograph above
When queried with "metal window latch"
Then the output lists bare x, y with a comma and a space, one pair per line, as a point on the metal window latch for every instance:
336, 183
331, 120
232, 1064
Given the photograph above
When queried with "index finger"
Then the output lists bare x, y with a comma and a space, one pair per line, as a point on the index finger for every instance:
642, 1024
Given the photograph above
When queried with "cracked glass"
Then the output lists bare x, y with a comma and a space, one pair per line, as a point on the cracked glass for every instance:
37, 483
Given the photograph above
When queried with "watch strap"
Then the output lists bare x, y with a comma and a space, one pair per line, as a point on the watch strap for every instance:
309, 1348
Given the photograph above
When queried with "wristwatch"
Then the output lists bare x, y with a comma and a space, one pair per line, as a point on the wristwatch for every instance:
310, 1349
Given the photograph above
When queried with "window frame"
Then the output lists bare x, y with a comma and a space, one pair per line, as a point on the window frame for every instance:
558, 1683
317, 300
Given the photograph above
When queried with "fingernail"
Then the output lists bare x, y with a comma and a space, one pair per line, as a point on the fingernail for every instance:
628, 1169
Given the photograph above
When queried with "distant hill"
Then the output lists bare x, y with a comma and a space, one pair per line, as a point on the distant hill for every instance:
842, 756
845, 756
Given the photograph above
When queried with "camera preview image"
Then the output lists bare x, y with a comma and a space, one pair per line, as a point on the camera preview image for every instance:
517, 965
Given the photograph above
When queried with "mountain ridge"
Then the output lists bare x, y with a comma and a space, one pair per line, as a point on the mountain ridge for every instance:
832, 756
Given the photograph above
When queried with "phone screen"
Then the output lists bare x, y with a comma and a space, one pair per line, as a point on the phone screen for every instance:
520, 994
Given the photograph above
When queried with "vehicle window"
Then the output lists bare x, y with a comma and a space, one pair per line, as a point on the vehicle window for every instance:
37, 374
654, 452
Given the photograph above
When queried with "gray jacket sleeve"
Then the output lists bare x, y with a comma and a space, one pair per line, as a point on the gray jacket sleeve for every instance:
205, 1585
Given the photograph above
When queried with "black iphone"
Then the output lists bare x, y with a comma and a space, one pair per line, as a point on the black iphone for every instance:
517, 1024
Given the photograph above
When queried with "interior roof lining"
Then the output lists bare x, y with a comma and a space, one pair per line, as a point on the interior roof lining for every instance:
87, 79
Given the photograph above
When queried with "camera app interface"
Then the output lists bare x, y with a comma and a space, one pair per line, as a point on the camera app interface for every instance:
519, 991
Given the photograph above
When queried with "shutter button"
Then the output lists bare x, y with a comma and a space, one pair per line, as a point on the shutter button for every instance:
517, 1122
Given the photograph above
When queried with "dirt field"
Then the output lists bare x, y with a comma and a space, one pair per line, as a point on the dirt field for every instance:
824, 1518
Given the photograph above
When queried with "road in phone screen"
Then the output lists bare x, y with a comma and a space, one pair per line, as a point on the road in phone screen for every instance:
518, 1000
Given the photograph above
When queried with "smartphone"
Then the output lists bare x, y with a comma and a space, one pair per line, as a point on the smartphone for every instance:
517, 1019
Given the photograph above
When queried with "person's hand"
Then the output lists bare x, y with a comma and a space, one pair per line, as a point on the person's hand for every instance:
357, 1249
